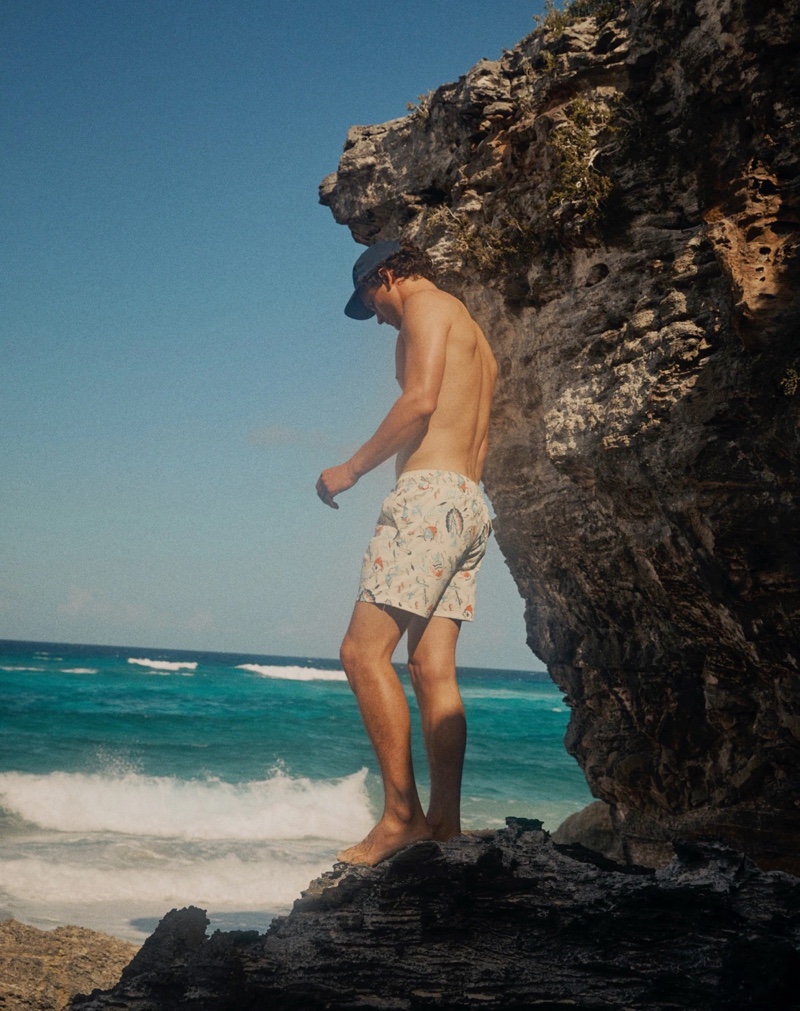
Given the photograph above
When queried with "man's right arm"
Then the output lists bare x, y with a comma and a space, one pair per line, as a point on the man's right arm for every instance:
425, 327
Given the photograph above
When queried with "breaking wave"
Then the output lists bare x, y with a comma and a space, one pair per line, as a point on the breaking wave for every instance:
277, 808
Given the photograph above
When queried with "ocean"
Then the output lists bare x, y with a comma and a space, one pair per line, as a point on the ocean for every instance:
136, 780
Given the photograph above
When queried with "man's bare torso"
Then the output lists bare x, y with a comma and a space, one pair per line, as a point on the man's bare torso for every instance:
456, 436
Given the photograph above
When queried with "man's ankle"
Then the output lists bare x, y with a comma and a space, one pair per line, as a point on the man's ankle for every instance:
404, 814
444, 828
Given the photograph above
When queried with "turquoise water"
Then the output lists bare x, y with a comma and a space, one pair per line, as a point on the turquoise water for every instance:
135, 780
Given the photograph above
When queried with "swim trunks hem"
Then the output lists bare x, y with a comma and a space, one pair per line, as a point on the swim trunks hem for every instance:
400, 607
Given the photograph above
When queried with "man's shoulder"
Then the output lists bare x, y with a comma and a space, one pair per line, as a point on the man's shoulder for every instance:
435, 301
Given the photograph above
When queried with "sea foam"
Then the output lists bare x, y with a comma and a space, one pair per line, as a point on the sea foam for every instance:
277, 808
224, 882
294, 673
163, 665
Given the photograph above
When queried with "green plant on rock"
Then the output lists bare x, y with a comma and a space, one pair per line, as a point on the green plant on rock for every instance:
557, 18
579, 186
549, 63
554, 18
421, 109
501, 248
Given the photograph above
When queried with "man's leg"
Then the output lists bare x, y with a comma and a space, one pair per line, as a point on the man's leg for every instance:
432, 665
366, 656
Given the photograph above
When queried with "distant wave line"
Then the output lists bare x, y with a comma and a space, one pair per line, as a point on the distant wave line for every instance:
164, 665
294, 673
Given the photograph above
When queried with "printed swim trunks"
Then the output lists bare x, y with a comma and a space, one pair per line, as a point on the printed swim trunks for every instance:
428, 546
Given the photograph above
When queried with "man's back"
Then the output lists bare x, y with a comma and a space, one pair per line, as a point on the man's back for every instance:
455, 438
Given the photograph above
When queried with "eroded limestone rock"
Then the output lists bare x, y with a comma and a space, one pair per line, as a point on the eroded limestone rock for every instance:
40, 970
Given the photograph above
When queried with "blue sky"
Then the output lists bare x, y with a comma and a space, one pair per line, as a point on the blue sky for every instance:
177, 368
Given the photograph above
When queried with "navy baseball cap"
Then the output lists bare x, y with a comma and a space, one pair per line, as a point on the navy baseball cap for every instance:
369, 260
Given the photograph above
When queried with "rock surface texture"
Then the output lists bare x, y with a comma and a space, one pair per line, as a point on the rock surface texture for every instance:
617, 200
40, 970
502, 922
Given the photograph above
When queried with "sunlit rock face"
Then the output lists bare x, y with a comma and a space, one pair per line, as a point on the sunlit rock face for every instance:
616, 200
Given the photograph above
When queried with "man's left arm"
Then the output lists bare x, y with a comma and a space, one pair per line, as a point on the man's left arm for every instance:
424, 331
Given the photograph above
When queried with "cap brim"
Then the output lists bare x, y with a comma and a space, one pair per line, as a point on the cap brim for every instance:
356, 309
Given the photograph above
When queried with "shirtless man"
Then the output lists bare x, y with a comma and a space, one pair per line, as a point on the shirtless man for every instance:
418, 575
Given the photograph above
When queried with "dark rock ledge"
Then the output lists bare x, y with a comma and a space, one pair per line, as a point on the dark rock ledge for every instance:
503, 920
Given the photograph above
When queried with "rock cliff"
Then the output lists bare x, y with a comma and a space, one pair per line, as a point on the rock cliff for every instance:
617, 201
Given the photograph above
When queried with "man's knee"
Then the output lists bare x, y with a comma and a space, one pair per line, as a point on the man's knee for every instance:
349, 657
429, 671
357, 659
416, 671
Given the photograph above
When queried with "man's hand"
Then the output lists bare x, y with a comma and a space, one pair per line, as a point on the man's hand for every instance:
335, 480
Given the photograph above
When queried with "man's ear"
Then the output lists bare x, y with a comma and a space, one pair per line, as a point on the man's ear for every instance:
387, 278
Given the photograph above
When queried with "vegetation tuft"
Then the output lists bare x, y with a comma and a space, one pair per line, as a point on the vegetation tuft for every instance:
504, 247
557, 18
573, 203
578, 184
421, 109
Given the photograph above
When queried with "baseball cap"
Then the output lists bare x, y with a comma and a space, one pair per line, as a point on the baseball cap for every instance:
369, 260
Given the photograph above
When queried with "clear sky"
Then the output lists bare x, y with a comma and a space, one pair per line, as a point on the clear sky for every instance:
176, 365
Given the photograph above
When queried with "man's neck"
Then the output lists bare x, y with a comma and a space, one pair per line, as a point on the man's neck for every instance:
408, 286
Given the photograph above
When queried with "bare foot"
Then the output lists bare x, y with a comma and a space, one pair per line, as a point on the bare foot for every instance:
386, 839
